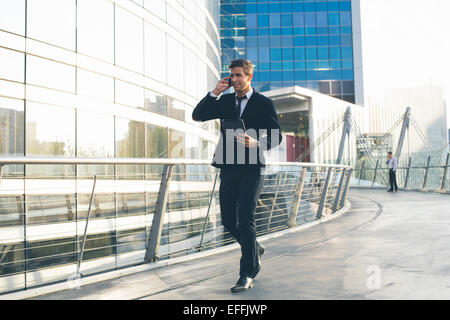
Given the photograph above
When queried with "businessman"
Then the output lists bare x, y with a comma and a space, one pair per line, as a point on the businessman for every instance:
239, 155
392, 165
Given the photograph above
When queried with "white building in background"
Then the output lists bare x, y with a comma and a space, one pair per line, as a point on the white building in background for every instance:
400, 61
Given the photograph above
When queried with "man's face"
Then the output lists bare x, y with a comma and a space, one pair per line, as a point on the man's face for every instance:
239, 79
389, 156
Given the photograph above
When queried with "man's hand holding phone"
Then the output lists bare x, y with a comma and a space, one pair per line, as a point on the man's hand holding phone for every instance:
222, 85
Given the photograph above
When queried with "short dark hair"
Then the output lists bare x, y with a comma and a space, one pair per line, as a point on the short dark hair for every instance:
389, 152
243, 63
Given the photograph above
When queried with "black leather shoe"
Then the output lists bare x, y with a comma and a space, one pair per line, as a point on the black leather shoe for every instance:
243, 284
258, 260
390, 190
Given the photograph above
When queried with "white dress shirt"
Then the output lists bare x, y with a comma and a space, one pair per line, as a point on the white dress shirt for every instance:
243, 103
392, 163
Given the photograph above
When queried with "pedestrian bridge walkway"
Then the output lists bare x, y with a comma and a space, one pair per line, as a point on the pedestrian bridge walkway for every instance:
386, 246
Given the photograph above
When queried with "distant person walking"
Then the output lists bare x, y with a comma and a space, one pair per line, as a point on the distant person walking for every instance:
392, 165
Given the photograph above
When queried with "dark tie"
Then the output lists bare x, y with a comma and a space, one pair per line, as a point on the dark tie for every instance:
238, 107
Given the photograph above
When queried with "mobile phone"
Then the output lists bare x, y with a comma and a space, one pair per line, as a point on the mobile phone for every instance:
229, 82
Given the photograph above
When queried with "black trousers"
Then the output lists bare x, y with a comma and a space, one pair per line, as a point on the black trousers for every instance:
238, 194
392, 180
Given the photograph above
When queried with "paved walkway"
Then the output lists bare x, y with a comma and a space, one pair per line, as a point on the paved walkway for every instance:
387, 246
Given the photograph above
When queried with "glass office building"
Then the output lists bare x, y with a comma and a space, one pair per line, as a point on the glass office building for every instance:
291, 42
97, 78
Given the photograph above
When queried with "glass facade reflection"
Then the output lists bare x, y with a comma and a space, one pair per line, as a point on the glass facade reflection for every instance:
304, 43
96, 78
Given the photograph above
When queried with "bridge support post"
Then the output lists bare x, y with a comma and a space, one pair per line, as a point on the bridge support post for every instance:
158, 217
347, 185
323, 197
444, 176
345, 132
209, 208
405, 126
375, 172
297, 197
407, 173
425, 176
274, 199
361, 171
339, 191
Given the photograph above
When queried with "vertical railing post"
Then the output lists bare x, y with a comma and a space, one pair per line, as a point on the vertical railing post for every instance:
375, 172
209, 208
407, 173
444, 176
158, 217
323, 197
339, 191
1, 173
347, 185
361, 171
80, 258
274, 199
425, 176
297, 197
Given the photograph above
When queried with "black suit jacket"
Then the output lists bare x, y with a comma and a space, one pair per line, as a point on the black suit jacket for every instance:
259, 114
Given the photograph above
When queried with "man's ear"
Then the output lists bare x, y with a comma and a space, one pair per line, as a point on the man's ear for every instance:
250, 76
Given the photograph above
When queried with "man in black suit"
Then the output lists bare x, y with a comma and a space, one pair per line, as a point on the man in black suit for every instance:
241, 160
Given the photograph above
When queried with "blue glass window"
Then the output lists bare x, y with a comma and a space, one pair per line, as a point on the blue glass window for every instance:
286, 7
324, 64
333, 6
322, 53
263, 54
299, 41
286, 31
251, 21
274, 19
228, 42
347, 64
276, 76
335, 74
346, 40
263, 42
334, 40
299, 53
346, 19
311, 75
310, 6
335, 64
321, 6
252, 32
298, 19
322, 40
300, 75
274, 7
239, 21
263, 31
310, 41
275, 54
250, 8
274, 65
300, 65
287, 41
288, 75
323, 75
252, 42
263, 8
310, 19
252, 54
333, 19
335, 53
264, 76
286, 20
275, 41
322, 19
299, 31
345, 5
347, 74
297, 7
226, 22
288, 65
288, 54
347, 53
263, 21
275, 31
311, 53
311, 64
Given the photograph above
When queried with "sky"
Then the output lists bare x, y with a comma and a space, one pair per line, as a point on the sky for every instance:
419, 27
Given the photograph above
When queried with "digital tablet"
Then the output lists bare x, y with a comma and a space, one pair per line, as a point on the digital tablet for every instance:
232, 124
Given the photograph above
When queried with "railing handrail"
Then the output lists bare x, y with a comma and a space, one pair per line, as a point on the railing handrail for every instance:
77, 160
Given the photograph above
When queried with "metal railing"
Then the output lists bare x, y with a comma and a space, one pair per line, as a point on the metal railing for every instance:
430, 176
138, 210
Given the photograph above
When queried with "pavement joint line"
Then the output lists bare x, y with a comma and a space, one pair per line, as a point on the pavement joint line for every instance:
52, 288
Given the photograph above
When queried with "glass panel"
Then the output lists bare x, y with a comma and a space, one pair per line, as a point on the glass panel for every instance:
95, 28
47, 253
175, 109
129, 138
95, 85
157, 7
50, 74
129, 41
11, 127
92, 142
12, 65
56, 28
155, 102
11, 211
129, 94
175, 74
13, 257
50, 135
12, 16
156, 141
155, 60
130, 204
46, 209
176, 144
